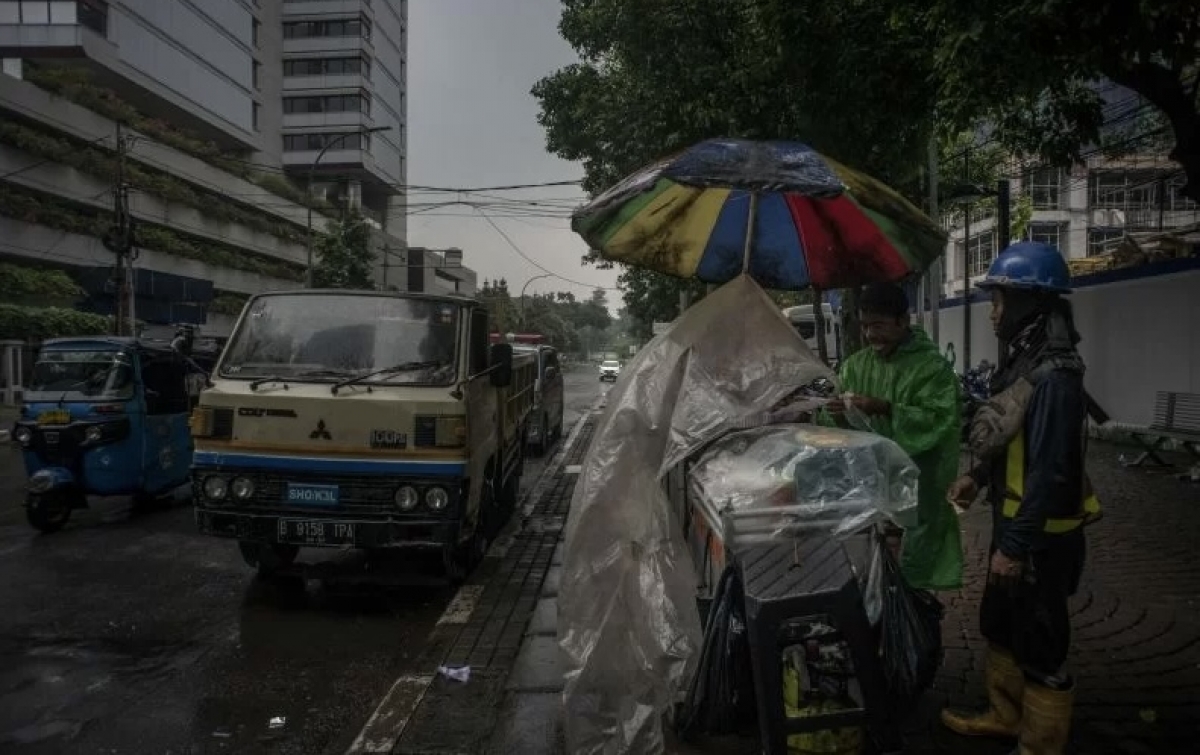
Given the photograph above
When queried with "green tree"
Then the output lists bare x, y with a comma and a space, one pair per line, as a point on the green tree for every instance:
502, 312
1029, 69
344, 255
818, 72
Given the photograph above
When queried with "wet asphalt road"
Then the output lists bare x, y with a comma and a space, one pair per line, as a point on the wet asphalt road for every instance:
134, 634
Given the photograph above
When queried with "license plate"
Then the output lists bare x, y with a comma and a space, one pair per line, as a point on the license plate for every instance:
51, 437
309, 532
312, 495
54, 417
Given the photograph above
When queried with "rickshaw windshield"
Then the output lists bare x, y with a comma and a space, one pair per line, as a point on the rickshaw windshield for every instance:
334, 337
85, 375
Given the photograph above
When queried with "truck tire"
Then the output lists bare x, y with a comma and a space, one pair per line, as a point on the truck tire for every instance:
460, 559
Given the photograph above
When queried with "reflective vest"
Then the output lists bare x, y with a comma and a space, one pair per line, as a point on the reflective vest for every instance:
1089, 507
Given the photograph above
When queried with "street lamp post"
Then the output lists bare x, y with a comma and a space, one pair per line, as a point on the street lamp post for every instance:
967, 195
308, 190
531, 280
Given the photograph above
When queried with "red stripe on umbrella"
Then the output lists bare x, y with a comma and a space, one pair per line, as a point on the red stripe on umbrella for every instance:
842, 246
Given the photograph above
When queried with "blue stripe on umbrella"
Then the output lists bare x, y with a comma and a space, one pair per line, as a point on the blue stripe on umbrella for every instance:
722, 257
776, 259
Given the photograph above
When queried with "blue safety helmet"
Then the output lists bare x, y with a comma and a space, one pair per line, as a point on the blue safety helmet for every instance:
1031, 266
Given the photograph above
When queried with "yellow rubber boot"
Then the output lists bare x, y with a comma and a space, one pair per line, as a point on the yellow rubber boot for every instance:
1005, 689
1045, 720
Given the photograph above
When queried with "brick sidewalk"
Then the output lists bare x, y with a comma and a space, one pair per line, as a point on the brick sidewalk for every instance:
454, 718
1136, 632
1136, 641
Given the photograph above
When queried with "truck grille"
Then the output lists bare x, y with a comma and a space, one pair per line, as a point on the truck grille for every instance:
356, 494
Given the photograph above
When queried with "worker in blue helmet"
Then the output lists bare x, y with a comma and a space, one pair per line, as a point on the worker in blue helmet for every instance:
1029, 443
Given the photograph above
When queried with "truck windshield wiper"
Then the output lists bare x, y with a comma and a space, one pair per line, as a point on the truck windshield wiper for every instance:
404, 367
256, 384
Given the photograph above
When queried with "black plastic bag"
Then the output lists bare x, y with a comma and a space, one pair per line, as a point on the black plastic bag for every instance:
721, 698
910, 631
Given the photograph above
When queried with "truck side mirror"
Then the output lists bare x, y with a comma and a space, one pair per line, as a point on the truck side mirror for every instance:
501, 364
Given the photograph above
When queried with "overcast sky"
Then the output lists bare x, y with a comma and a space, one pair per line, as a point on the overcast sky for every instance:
472, 123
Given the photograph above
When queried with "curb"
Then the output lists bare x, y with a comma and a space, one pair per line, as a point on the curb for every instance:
464, 631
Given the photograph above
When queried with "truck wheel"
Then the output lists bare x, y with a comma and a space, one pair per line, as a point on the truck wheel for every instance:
268, 559
48, 513
544, 439
460, 559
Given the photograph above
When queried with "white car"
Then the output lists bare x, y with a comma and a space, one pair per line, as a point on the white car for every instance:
610, 369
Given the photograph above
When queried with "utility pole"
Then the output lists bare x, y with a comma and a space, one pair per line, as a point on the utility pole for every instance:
933, 281
119, 240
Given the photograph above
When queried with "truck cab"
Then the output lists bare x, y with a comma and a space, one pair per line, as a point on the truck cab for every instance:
360, 419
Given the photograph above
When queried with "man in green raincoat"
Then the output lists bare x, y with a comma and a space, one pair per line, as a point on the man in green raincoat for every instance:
910, 394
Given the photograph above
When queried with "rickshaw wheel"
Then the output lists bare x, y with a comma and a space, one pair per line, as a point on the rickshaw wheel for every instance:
48, 515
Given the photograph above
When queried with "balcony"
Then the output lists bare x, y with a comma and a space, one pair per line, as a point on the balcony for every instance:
55, 29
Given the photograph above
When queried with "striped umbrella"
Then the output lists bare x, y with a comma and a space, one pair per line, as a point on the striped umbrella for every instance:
787, 215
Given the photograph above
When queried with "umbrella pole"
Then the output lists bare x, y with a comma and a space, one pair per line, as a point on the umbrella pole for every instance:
819, 323
751, 217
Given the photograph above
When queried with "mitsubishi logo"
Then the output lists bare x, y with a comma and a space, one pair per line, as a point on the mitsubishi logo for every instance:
320, 433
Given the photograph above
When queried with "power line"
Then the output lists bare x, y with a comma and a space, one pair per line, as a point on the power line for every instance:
534, 262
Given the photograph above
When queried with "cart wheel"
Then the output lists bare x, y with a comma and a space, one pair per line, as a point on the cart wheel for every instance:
48, 513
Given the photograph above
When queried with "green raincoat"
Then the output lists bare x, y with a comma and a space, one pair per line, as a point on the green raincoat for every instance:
925, 421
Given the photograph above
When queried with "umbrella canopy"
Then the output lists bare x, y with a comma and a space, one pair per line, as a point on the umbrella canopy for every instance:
786, 214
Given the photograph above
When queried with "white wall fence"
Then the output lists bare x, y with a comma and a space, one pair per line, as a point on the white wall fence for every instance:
1140, 328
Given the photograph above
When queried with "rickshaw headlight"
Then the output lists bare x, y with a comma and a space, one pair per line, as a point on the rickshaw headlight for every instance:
437, 499
93, 434
216, 488
23, 435
407, 498
242, 488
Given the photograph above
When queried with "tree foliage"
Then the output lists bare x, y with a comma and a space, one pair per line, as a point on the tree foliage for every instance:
568, 324
659, 75
1030, 69
344, 255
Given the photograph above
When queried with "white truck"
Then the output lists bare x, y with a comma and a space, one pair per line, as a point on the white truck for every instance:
366, 420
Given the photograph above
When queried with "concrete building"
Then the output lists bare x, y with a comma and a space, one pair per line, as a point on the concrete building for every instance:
1086, 212
231, 111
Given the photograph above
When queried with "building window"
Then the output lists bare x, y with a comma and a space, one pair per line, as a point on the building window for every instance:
327, 66
1045, 188
1103, 240
255, 31
1049, 233
90, 13
1123, 190
353, 27
329, 103
1176, 201
254, 113
256, 75
317, 142
981, 252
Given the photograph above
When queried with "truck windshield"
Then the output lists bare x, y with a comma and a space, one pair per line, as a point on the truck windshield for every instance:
317, 338
81, 376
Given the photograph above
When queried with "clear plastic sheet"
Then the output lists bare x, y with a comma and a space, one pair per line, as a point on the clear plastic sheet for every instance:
628, 623
784, 481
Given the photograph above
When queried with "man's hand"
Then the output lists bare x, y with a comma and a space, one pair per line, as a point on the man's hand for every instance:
868, 405
962, 492
1004, 571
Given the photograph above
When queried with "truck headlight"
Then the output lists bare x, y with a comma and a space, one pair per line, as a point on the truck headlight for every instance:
216, 488
242, 488
93, 434
407, 498
23, 435
437, 499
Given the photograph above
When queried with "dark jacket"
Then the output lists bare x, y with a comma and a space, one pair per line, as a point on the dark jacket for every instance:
1054, 435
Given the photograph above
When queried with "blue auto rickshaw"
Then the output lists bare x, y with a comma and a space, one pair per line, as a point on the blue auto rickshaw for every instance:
104, 416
